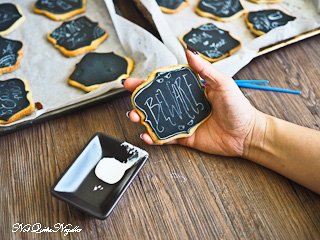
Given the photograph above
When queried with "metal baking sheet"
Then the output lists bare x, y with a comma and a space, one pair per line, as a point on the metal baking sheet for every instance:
172, 26
46, 69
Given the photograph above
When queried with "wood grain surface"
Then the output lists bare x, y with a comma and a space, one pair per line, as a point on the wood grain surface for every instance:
180, 193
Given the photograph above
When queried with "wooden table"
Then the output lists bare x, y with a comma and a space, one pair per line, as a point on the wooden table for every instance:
180, 193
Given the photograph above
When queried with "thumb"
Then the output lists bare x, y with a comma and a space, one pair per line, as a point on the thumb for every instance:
206, 71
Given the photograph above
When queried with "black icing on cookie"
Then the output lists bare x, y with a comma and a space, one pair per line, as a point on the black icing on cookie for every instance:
219, 8
99, 68
13, 98
75, 34
170, 4
265, 20
59, 6
172, 103
9, 15
211, 42
9, 53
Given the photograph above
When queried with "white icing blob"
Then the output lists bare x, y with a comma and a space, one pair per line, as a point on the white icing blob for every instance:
110, 170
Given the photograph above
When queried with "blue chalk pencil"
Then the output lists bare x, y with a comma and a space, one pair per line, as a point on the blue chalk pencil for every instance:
255, 84
252, 81
246, 81
266, 88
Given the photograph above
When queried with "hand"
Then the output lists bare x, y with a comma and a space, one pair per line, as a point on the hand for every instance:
233, 118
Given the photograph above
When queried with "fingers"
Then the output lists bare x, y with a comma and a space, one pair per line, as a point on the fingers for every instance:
132, 83
207, 71
133, 116
148, 140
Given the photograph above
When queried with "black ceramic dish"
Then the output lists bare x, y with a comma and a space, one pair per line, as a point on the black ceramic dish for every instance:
81, 188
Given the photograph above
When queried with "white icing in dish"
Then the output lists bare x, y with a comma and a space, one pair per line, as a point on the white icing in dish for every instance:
111, 170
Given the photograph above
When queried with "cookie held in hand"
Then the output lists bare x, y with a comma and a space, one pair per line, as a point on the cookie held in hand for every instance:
77, 36
220, 10
15, 100
59, 9
96, 69
261, 22
10, 18
10, 55
172, 103
172, 6
211, 42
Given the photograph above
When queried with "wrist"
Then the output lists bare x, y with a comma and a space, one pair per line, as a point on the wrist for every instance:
255, 140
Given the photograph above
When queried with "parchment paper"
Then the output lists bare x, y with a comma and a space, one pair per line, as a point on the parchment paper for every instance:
171, 26
47, 70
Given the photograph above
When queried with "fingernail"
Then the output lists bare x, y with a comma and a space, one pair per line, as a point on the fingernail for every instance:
141, 136
38, 105
127, 114
192, 50
122, 81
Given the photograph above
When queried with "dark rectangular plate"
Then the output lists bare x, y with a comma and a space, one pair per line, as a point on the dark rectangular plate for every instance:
80, 187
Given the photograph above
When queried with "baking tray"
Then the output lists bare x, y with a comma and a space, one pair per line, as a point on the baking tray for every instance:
289, 41
155, 17
138, 18
128, 10
132, 15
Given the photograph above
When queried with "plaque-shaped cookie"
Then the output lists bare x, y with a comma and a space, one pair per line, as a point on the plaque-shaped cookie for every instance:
96, 69
78, 36
59, 9
10, 18
15, 100
263, 21
220, 10
172, 6
10, 55
172, 103
211, 42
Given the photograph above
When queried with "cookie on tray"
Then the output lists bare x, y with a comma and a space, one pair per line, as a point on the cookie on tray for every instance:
212, 43
263, 21
172, 6
77, 36
96, 69
220, 10
10, 55
59, 10
15, 100
172, 103
10, 18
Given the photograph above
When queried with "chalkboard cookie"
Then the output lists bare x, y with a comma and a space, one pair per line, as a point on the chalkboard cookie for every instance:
78, 36
263, 21
10, 18
59, 9
172, 103
172, 6
220, 10
10, 55
95, 69
211, 42
15, 100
